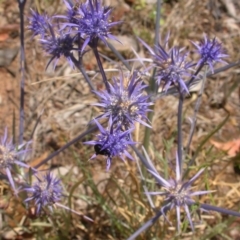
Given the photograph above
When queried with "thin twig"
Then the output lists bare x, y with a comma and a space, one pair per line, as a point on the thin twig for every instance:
152, 84
157, 25
21, 4
79, 66
149, 223
118, 54
78, 138
192, 161
95, 51
196, 109
179, 132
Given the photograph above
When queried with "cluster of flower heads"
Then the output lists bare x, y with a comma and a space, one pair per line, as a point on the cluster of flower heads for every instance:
123, 106
173, 67
83, 24
123, 103
44, 191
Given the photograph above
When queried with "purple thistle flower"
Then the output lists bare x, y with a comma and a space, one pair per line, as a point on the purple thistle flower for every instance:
125, 103
38, 23
171, 64
46, 191
178, 193
112, 143
58, 45
210, 51
9, 156
93, 22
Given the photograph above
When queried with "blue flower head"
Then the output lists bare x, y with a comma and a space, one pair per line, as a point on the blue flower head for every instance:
92, 22
38, 23
45, 191
9, 156
178, 193
210, 51
126, 102
171, 65
112, 143
57, 44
